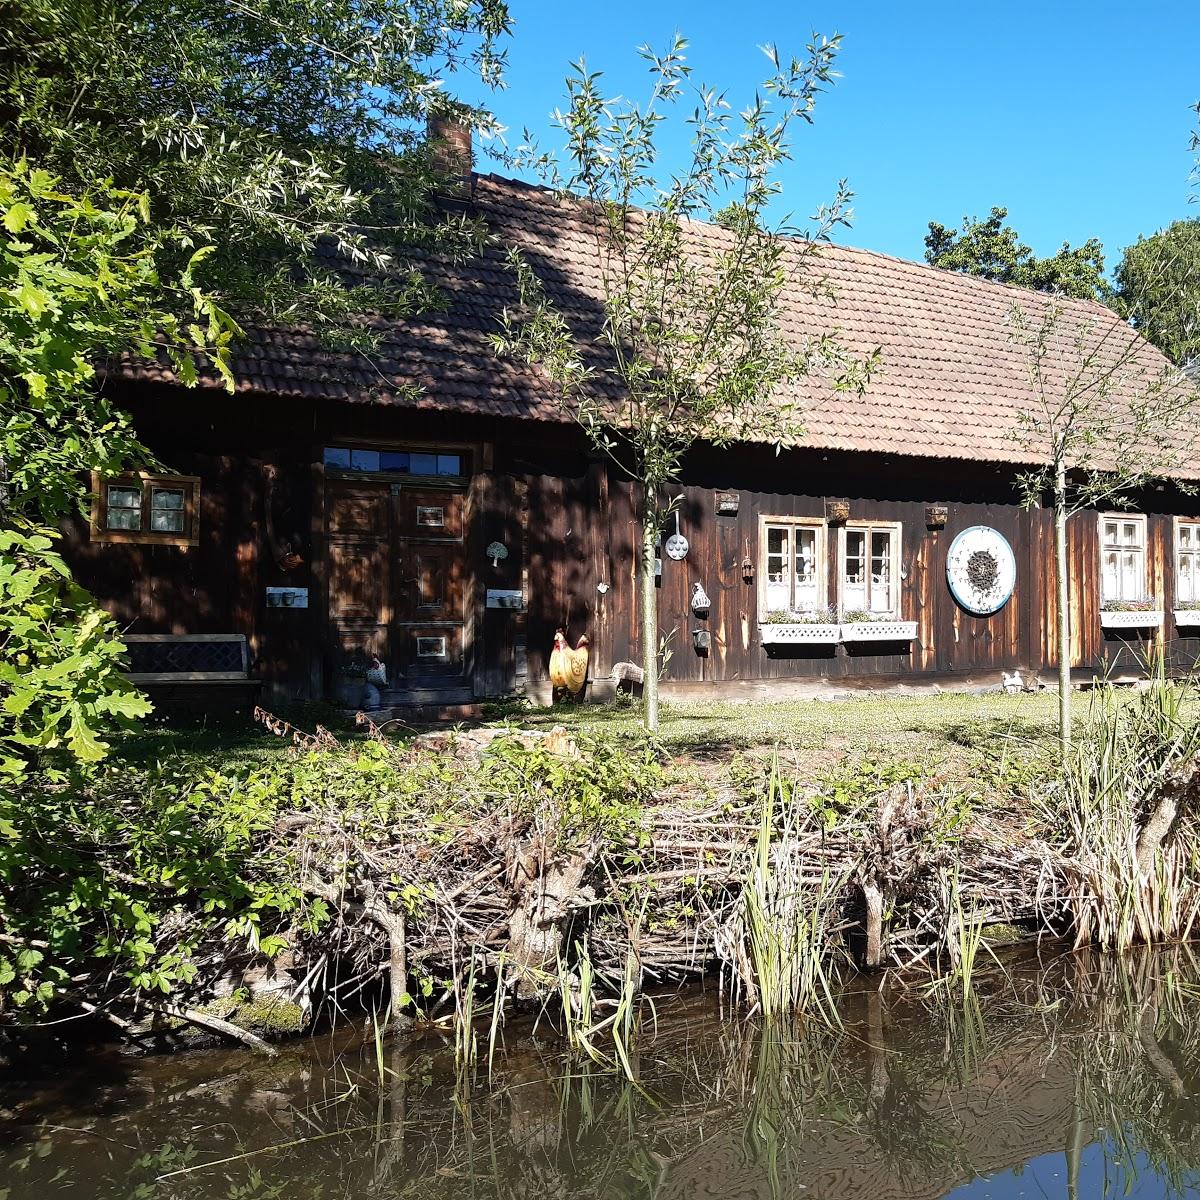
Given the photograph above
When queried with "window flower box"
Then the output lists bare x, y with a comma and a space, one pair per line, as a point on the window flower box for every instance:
876, 630
1131, 615
799, 629
1187, 617
799, 633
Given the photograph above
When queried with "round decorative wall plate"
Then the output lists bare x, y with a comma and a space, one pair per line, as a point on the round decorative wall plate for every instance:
677, 547
981, 569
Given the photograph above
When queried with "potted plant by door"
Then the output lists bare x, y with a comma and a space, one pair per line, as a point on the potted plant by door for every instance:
788, 627
859, 625
1130, 614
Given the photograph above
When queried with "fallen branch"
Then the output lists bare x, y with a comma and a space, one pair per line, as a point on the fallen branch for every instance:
217, 1025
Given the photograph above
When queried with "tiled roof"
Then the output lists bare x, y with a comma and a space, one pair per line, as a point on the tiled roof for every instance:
953, 382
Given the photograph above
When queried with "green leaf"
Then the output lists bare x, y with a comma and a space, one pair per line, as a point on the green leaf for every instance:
18, 215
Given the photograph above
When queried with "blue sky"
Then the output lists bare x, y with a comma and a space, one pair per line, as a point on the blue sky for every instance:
1073, 115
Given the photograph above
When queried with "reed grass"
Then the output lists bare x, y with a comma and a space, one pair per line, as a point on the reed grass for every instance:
787, 914
1129, 752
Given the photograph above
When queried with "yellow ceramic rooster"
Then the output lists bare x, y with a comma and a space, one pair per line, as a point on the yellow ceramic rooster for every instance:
568, 668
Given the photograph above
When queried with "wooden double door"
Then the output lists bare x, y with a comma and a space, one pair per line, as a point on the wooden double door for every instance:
397, 581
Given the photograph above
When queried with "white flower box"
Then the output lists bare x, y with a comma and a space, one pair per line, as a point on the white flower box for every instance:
1187, 616
879, 631
796, 633
1147, 619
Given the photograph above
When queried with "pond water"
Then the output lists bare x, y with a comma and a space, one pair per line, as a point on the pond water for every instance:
1075, 1077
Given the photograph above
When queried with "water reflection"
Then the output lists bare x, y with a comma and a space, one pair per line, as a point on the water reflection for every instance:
1078, 1078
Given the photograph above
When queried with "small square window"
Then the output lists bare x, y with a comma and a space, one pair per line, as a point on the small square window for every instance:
146, 508
431, 647
1187, 563
423, 464
449, 464
394, 460
123, 508
870, 569
794, 567
1122, 559
337, 456
364, 460
167, 510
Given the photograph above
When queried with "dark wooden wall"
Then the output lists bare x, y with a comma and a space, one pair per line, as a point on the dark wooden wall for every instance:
569, 521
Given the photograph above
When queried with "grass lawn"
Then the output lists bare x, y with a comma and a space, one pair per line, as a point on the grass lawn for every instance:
951, 730
948, 728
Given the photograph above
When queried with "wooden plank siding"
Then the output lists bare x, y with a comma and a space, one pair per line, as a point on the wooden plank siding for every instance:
568, 519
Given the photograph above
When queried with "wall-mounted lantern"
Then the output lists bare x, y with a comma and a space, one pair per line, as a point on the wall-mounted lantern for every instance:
837, 510
936, 516
701, 640
700, 601
747, 565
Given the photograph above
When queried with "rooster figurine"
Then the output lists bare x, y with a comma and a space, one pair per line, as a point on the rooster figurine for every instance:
568, 668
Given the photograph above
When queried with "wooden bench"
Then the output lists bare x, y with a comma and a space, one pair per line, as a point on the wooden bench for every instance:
192, 669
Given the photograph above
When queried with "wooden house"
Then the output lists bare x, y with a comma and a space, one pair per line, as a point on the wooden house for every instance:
422, 519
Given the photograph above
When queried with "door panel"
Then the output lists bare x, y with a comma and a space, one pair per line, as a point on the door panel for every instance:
397, 581
358, 509
434, 583
358, 582
432, 651
430, 513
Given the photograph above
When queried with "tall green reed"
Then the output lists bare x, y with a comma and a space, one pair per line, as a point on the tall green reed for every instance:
788, 910
1132, 750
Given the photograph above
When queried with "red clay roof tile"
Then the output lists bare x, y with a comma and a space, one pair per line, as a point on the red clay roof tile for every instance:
953, 383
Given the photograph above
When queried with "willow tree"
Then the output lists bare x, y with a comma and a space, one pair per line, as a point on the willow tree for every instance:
1107, 417
682, 340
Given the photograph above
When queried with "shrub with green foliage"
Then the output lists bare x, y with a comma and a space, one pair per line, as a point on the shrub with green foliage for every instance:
119, 884
60, 680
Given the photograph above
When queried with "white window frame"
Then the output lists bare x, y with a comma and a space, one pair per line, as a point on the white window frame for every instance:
1140, 548
1193, 553
820, 553
896, 544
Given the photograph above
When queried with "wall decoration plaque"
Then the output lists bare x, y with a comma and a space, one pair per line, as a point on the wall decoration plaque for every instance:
677, 544
981, 569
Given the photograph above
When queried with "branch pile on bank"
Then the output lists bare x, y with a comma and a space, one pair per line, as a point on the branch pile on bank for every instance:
515, 867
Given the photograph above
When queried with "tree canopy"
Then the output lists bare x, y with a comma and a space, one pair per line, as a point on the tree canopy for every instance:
166, 168
690, 337
1158, 289
266, 129
993, 250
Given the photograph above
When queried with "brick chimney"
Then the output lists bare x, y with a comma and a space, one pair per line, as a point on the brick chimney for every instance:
451, 142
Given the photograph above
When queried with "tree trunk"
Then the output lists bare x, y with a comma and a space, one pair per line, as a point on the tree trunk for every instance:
546, 883
1063, 606
648, 598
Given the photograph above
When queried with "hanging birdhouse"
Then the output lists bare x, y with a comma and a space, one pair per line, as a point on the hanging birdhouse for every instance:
700, 601
497, 552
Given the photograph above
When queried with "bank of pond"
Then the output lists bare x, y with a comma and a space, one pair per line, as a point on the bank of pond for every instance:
472, 876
